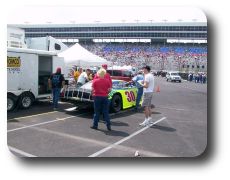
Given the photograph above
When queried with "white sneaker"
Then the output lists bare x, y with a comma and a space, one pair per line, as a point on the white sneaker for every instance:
145, 123
150, 120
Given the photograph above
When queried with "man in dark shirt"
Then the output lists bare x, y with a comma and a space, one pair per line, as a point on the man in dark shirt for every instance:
56, 82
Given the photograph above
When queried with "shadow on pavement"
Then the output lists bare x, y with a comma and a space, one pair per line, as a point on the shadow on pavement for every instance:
163, 128
114, 133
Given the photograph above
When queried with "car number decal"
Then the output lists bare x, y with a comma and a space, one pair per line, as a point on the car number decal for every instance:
130, 96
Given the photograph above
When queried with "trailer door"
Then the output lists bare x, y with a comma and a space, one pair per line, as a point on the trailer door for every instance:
44, 73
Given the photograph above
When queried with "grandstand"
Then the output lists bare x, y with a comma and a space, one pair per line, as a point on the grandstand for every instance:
136, 43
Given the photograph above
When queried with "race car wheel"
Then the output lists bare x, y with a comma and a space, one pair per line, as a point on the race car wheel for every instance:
11, 102
26, 100
116, 103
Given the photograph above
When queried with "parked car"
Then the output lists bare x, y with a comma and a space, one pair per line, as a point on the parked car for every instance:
173, 76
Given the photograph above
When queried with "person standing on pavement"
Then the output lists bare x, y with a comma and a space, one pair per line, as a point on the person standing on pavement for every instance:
107, 75
148, 86
100, 89
204, 78
137, 79
56, 82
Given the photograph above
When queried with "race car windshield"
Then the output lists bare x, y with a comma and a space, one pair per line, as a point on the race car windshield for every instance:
118, 84
174, 74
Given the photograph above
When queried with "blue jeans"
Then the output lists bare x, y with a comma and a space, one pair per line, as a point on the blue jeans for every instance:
101, 104
139, 95
56, 94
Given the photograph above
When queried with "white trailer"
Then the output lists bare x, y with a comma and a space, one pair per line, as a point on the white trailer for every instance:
27, 75
15, 37
47, 43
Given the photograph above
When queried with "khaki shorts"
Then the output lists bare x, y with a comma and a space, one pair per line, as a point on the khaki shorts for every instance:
147, 99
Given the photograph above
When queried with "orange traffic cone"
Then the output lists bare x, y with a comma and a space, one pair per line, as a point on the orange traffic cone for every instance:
158, 89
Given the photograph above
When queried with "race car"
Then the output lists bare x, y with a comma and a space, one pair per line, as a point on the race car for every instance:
122, 96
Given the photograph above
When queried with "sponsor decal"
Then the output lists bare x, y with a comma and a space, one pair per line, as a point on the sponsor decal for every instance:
13, 64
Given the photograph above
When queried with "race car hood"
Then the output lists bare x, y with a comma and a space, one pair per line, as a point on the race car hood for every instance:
117, 84
86, 87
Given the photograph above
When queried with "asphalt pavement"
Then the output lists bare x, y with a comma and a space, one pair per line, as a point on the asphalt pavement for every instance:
179, 128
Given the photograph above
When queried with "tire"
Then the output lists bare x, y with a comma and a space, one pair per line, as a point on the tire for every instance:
11, 102
26, 100
116, 103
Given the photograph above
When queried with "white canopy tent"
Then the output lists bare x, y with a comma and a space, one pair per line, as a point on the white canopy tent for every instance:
79, 56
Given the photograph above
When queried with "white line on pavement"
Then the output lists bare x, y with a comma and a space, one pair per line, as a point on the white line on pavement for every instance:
71, 109
25, 154
24, 117
124, 139
61, 119
177, 109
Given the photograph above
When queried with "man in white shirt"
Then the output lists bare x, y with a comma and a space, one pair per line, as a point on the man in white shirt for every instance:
83, 78
147, 95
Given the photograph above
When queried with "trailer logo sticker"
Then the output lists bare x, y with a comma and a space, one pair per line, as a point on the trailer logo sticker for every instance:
13, 64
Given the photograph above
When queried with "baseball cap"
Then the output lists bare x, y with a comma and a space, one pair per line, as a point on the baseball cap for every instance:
104, 66
58, 70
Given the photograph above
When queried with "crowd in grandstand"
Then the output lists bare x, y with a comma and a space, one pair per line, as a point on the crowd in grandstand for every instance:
190, 57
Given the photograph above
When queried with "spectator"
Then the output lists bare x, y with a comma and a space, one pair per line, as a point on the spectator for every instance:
77, 73
83, 78
138, 80
201, 78
100, 90
167, 56
191, 77
107, 75
56, 82
148, 94
204, 78
196, 78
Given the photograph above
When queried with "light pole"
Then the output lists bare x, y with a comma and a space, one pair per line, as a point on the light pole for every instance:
194, 21
165, 20
137, 21
165, 40
151, 21
179, 20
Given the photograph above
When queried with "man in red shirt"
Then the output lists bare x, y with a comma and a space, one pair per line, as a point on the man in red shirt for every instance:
100, 89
